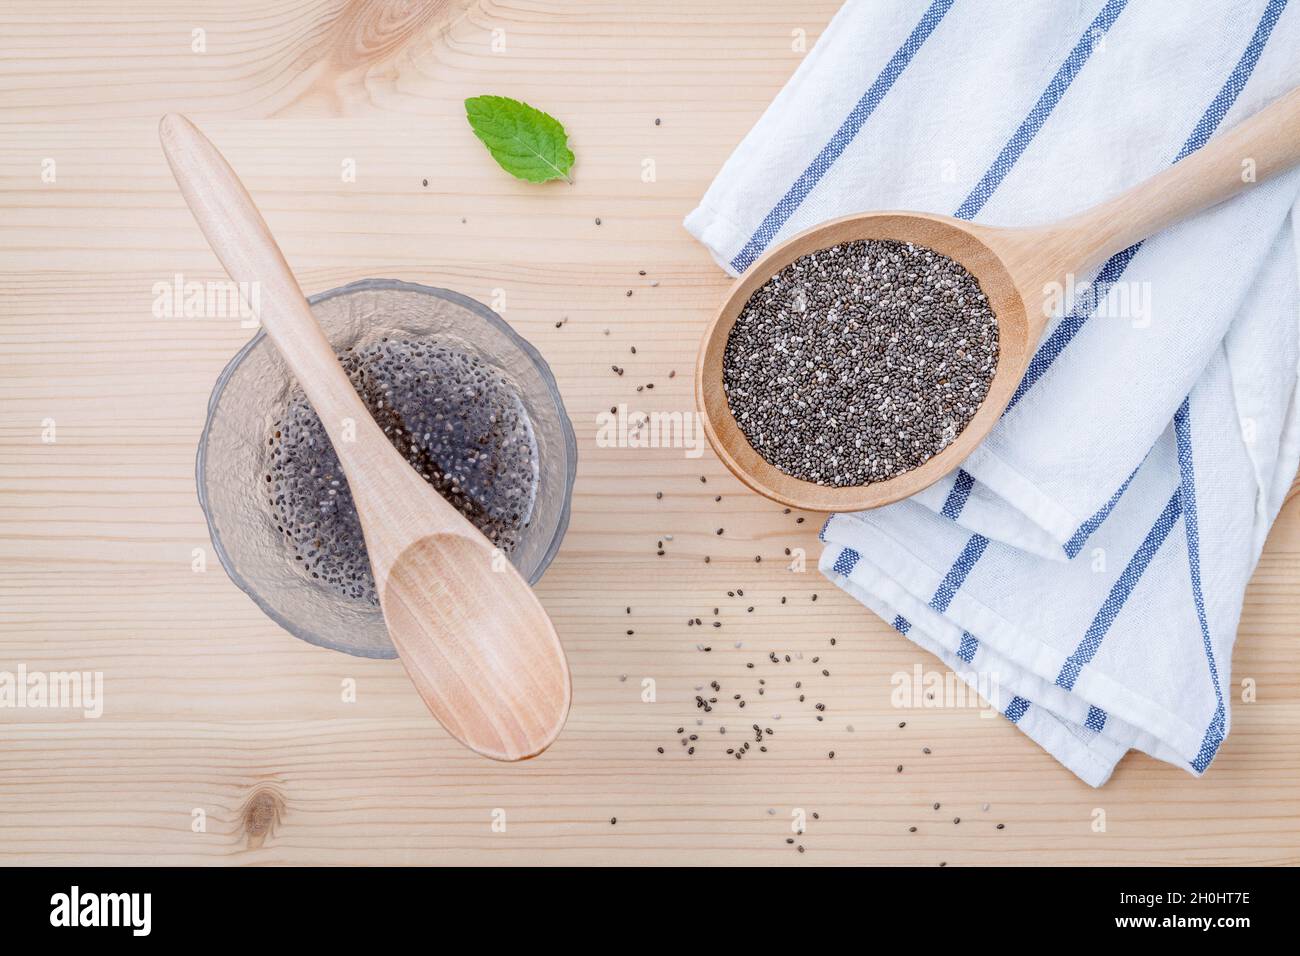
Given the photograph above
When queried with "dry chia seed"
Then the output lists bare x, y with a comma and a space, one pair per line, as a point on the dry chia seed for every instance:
457, 421
860, 362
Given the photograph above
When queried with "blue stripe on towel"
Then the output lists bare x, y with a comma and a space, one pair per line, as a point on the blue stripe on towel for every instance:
1061, 336
1032, 123
966, 651
1076, 543
902, 625
1120, 593
1236, 80
845, 562
1187, 476
848, 129
956, 576
1096, 719
1214, 735
1016, 709
956, 500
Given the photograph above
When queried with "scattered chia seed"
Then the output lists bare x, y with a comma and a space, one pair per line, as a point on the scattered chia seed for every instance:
860, 362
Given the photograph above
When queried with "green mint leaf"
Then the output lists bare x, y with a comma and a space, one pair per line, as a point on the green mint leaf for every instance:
525, 142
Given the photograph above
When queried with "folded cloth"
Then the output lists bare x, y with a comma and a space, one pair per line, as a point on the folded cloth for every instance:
1088, 561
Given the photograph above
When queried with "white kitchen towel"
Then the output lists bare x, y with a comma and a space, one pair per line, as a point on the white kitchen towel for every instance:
1088, 561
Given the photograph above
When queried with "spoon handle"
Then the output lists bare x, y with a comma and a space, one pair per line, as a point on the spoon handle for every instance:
239, 236
1262, 146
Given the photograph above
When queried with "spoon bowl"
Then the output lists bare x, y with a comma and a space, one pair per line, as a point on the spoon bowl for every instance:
1017, 334
455, 649
1017, 268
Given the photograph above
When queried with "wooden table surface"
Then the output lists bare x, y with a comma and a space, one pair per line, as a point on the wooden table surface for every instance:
223, 739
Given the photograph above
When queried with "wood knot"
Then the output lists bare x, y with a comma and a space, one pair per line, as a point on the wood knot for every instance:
261, 814
368, 32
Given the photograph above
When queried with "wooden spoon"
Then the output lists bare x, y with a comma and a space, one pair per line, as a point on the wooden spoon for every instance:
473, 636
1016, 268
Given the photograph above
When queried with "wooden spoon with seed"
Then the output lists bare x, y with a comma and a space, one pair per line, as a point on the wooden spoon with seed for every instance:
475, 640
1016, 267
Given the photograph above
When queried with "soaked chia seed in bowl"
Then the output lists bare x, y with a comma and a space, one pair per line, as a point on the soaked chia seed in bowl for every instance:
456, 420
860, 362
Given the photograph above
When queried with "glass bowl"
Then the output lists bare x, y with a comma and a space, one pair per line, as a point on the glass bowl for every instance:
254, 390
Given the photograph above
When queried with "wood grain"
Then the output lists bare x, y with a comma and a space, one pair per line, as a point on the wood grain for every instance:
208, 706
